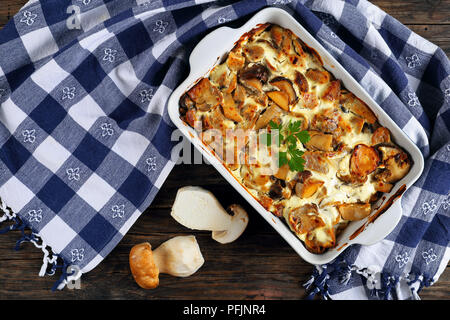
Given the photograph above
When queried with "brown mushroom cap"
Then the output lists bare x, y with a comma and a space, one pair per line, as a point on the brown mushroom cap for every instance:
143, 267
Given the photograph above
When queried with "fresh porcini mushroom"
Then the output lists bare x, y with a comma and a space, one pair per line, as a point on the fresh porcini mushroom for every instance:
198, 209
239, 222
179, 257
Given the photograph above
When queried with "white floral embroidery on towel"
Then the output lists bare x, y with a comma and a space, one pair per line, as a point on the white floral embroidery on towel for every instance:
413, 61
35, 215
110, 55
73, 173
28, 18
402, 259
118, 211
146, 95
151, 164
428, 207
77, 254
160, 26
107, 129
429, 256
68, 93
413, 100
29, 135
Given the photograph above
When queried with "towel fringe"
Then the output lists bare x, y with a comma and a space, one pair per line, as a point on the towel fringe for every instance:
51, 261
379, 284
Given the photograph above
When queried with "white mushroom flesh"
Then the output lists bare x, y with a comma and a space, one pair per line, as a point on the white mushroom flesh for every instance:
179, 256
238, 224
198, 209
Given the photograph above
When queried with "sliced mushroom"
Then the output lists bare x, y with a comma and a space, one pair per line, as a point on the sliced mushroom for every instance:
381, 186
254, 53
354, 211
235, 61
239, 222
388, 152
305, 219
229, 108
191, 117
357, 123
285, 85
310, 100
308, 188
318, 240
381, 135
364, 160
357, 106
239, 94
316, 161
333, 91
298, 47
276, 33
280, 98
268, 114
282, 172
197, 208
396, 168
318, 75
301, 82
256, 71
320, 141
205, 95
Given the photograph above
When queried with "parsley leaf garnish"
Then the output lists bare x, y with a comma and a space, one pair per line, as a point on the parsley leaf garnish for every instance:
289, 135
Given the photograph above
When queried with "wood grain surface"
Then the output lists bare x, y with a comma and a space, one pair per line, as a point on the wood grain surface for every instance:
259, 265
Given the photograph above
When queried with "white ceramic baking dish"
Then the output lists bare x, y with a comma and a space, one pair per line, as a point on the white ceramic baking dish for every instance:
209, 52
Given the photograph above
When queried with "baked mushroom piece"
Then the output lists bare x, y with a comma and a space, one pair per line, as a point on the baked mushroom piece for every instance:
305, 219
205, 95
381, 135
320, 141
350, 102
354, 211
364, 160
396, 164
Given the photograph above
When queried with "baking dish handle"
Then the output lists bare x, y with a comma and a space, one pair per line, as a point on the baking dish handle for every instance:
213, 44
382, 226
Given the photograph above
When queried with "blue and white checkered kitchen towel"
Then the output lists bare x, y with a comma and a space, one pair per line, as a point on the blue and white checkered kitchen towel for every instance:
85, 139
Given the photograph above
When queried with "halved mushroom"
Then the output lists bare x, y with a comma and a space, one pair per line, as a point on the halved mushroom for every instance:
381, 135
197, 208
357, 106
179, 257
280, 98
305, 218
285, 85
333, 91
301, 82
229, 108
267, 114
364, 160
308, 188
319, 141
354, 211
235, 61
205, 95
239, 222
318, 75
253, 85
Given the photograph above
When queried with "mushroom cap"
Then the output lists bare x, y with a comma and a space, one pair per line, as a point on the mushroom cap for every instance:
143, 268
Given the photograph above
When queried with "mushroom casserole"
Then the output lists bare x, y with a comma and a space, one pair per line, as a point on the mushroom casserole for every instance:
272, 77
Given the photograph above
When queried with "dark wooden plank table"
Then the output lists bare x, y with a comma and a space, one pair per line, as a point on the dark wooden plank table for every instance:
260, 265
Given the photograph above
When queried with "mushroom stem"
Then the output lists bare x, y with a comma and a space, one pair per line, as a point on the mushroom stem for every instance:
179, 256
238, 224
